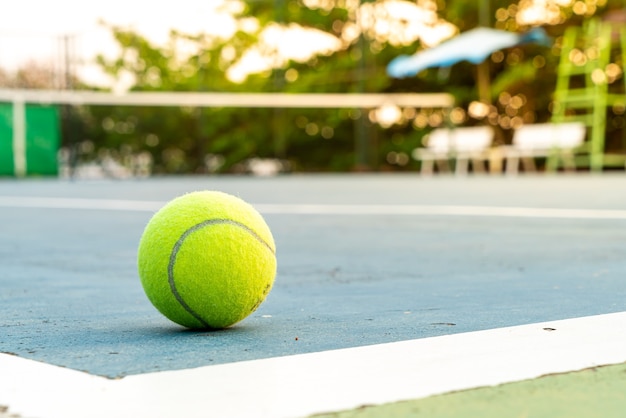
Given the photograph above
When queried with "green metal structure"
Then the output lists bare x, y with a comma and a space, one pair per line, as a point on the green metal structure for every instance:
587, 85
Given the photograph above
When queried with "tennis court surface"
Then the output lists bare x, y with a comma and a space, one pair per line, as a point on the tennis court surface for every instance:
393, 293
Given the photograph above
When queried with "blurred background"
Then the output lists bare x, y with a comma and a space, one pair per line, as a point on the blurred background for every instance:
291, 46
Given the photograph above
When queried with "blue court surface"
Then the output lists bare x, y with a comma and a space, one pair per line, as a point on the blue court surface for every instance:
363, 260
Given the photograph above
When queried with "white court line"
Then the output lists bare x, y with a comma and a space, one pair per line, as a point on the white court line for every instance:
79, 203
324, 209
443, 210
301, 385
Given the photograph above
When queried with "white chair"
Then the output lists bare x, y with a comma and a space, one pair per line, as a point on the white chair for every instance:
557, 141
463, 144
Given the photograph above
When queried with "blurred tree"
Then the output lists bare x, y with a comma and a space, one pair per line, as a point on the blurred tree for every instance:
363, 37
31, 75
180, 138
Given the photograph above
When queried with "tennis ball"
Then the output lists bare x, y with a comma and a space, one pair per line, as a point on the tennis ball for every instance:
207, 260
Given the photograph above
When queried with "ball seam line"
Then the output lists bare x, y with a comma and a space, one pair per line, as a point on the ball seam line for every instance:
178, 245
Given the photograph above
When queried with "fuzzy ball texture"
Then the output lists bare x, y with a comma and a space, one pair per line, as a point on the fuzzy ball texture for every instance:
207, 260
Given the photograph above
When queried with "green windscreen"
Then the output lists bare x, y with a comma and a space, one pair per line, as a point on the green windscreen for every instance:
42, 140
6, 140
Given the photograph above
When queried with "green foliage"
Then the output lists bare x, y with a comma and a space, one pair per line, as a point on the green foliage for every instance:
180, 139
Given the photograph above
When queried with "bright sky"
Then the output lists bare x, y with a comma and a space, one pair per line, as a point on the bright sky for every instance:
31, 29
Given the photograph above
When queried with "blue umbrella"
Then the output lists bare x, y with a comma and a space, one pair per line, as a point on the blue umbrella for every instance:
474, 46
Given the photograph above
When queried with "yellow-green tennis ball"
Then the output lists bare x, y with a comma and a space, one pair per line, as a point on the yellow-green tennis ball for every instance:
207, 260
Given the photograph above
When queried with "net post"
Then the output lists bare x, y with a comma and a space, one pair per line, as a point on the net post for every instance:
19, 136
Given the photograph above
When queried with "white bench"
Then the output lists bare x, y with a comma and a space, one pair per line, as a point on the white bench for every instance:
557, 141
463, 144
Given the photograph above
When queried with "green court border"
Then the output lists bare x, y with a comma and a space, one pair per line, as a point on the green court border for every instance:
593, 392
